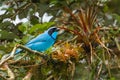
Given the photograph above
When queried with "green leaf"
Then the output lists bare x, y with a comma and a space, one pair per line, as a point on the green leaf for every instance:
116, 16
6, 25
24, 27
5, 35
112, 78
106, 8
41, 27
26, 38
8, 9
34, 20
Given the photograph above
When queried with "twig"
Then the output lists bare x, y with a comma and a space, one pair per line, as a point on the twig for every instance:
117, 43
10, 73
50, 77
31, 51
74, 31
9, 57
91, 52
102, 44
109, 28
73, 16
73, 69
29, 74
30, 65
99, 71
18, 60
21, 9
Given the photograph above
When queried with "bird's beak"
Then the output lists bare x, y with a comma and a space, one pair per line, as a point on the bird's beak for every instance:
60, 31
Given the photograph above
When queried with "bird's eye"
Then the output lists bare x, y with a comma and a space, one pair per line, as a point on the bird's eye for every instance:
52, 30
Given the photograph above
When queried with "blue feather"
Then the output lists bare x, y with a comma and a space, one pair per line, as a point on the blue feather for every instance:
43, 41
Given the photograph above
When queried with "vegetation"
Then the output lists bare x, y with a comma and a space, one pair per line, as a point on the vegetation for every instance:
87, 50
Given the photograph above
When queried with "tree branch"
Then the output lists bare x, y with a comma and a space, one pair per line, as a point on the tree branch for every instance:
22, 47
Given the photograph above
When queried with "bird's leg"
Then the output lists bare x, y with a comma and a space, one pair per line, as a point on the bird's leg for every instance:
5, 59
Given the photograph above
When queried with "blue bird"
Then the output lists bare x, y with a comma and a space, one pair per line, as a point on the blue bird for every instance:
43, 41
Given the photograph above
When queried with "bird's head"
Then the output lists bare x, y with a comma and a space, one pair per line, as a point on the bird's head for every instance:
53, 32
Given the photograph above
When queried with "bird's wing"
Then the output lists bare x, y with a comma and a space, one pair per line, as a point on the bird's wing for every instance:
40, 38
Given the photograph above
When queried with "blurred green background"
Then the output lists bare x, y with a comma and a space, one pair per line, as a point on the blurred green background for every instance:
93, 38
